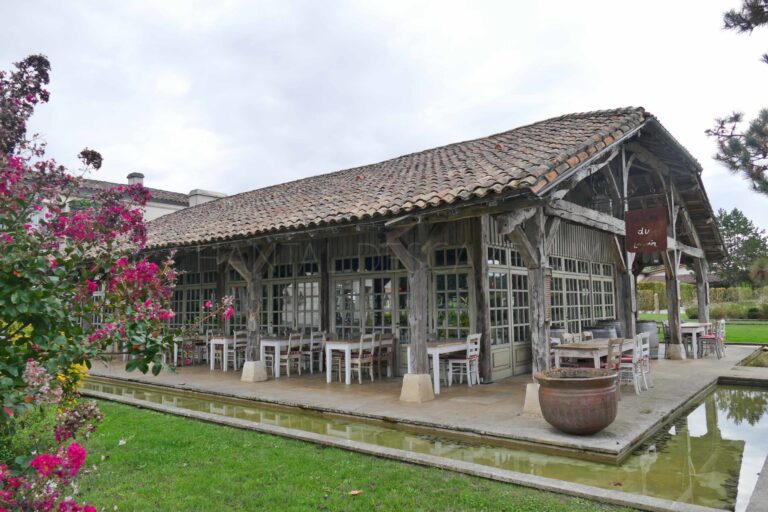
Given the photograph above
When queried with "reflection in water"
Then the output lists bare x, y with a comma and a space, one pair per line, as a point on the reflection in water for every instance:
710, 456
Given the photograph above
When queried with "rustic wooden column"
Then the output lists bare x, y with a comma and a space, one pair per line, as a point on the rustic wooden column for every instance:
701, 269
537, 286
325, 287
417, 384
253, 369
479, 255
221, 283
630, 284
671, 265
531, 240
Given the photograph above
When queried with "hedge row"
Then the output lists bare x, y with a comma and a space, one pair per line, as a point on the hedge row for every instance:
743, 295
733, 311
645, 292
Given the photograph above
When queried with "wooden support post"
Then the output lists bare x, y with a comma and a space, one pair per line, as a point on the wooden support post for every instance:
417, 385
325, 287
252, 275
221, 280
628, 285
671, 264
701, 269
531, 242
537, 276
479, 255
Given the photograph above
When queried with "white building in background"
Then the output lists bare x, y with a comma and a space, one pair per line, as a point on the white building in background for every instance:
161, 202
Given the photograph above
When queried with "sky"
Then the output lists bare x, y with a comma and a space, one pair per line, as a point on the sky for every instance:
231, 95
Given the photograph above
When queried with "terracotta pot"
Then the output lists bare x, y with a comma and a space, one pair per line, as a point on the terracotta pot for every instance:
581, 401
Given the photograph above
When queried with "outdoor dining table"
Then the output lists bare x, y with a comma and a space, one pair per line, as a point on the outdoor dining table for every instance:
435, 349
592, 349
277, 345
220, 341
694, 329
347, 346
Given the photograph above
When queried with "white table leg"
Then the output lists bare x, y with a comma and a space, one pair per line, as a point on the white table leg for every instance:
211, 350
328, 365
596, 359
276, 361
694, 344
408, 356
557, 359
175, 354
436, 373
262, 352
348, 365
321, 360
224, 354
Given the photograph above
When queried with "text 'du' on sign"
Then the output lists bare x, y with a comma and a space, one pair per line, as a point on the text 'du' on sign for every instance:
647, 230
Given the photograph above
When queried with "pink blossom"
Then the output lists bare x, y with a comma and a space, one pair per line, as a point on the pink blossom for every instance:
208, 304
229, 312
46, 463
93, 286
53, 263
75, 458
6, 238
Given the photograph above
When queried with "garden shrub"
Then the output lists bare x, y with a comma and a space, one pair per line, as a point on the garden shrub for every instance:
692, 312
753, 313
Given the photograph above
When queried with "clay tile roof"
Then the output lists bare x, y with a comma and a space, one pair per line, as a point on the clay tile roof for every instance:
163, 196
528, 157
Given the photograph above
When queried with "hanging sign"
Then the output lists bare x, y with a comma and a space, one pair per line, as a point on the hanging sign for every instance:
646, 230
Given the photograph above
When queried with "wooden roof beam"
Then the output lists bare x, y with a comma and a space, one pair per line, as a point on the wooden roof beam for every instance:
586, 216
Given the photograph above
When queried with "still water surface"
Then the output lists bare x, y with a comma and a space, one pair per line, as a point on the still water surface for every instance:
711, 455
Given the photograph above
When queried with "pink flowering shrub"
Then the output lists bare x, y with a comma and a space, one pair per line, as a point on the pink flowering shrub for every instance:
56, 254
45, 483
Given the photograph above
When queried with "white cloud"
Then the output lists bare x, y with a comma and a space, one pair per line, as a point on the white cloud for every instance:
235, 95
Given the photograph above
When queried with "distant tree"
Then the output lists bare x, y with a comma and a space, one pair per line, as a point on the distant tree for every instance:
744, 149
744, 243
759, 271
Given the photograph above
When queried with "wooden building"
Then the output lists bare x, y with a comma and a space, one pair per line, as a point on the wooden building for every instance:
505, 235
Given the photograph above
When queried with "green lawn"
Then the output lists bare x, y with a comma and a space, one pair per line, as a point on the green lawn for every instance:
171, 463
736, 331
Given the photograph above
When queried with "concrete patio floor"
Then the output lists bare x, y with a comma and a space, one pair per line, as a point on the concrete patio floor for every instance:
494, 410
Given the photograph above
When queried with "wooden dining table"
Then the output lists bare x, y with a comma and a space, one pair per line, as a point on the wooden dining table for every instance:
593, 349
346, 347
694, 329
434, 350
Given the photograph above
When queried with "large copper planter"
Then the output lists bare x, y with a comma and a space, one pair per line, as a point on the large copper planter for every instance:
580, 401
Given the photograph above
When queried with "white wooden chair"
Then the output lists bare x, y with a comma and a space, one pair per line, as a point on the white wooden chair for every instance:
645, 358
629, 369
714, 342
292, 353
385, 352
312, 352
218, 350
553, 342
613, 361
587, 336
363, 358
236, 351
468, 365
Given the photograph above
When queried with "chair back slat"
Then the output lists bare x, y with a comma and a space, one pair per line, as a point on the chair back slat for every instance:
294, 342
366, 338
473, 346
587, 335
615, 349
316, 339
